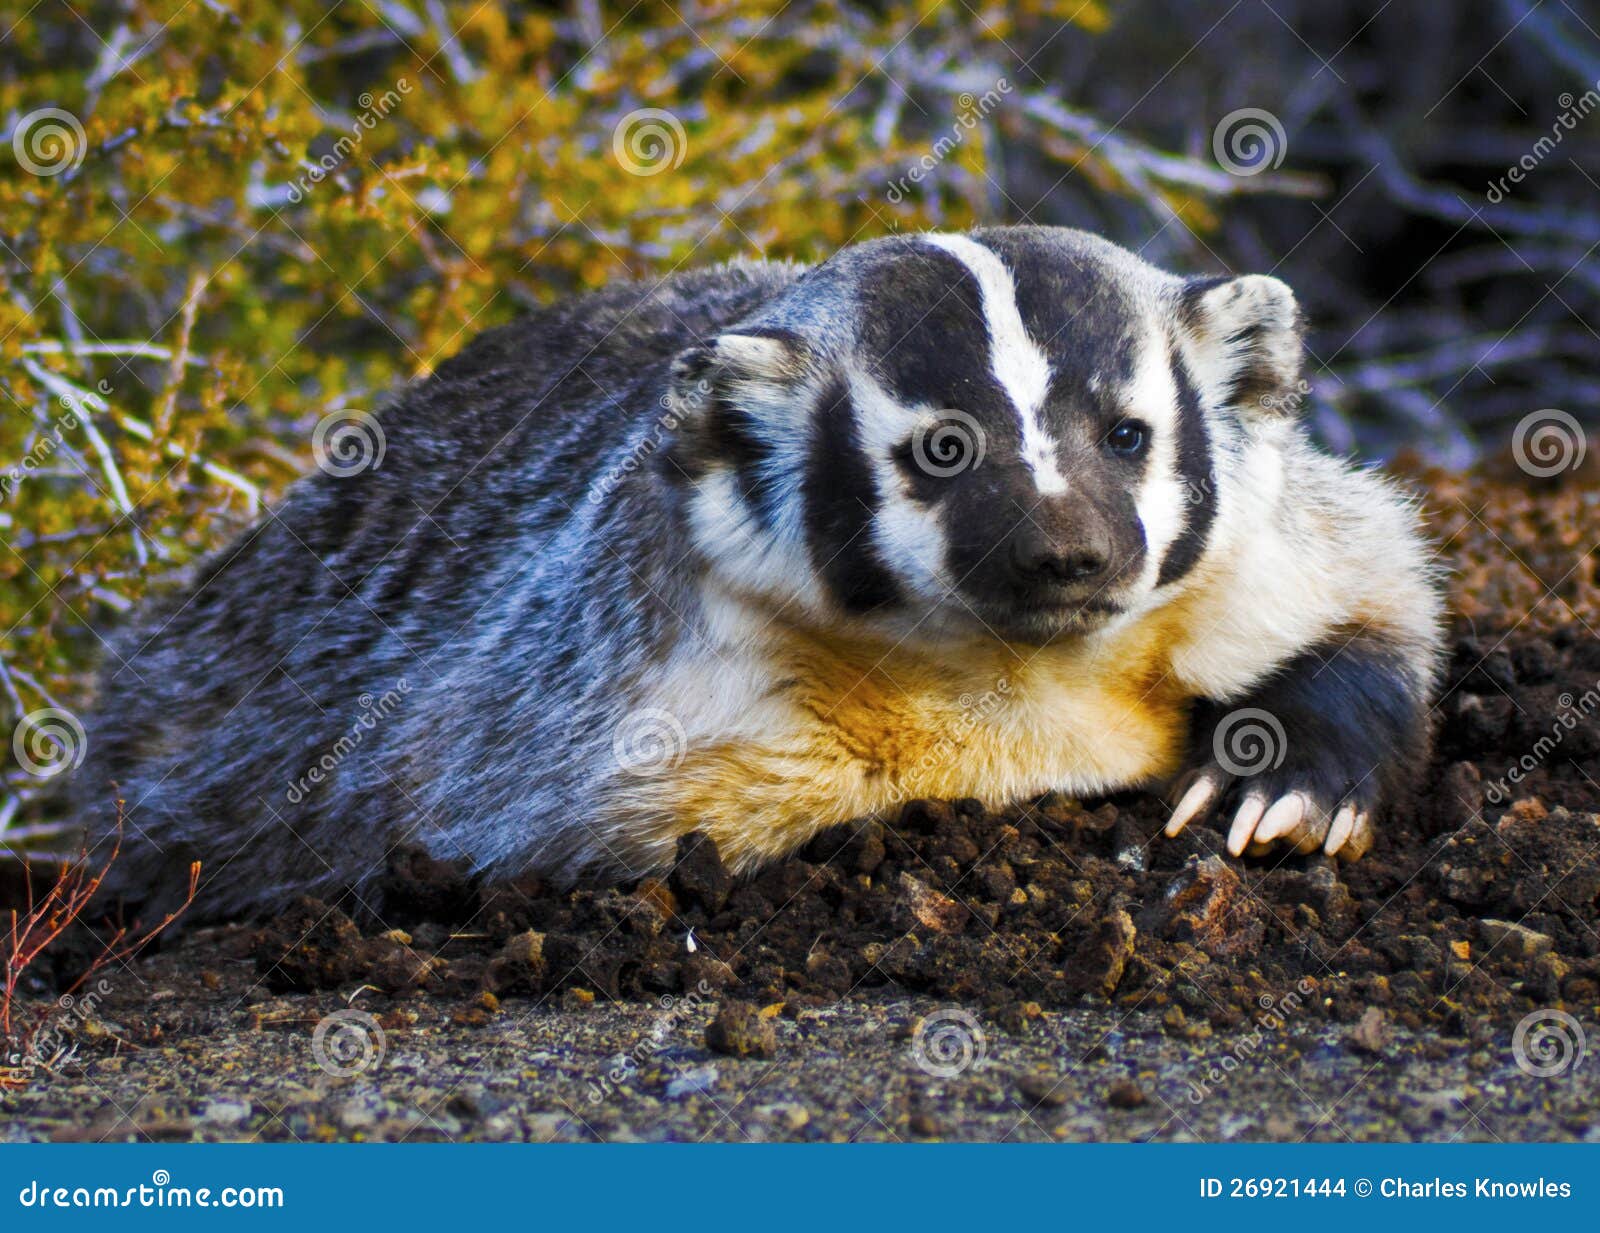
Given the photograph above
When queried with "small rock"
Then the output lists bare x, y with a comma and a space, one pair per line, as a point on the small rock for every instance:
1097, 967
1527, 809
1206, 905
225, 1112
827, 972
698, 874
1129, 843
924, 1125
866, 850
1512, 940
741, 1030
1372, 1034
356, 1115
520, 966
310, 946
659, 895
704, 974
1043, 1089
1126, 1094
393, 966
787, 1117
927, 907
692, 1082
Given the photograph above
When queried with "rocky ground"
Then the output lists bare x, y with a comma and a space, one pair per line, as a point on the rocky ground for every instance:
1054, 970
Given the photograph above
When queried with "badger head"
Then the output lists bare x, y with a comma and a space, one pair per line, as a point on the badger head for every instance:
1018, 433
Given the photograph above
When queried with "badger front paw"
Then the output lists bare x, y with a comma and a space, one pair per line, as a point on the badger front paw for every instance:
1304, 798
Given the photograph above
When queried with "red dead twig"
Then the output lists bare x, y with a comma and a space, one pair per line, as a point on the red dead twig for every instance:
34, 929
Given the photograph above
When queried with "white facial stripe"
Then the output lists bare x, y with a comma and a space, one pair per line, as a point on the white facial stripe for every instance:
1015, 359
1162, 501
908, 537
774, 564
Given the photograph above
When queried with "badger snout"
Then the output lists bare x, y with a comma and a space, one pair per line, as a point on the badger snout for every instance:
1071, 548
1059, 563
1044, 560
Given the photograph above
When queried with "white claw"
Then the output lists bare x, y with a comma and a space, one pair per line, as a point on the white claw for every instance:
1286, 815
1344, 823
1195, 801
1360, 840
1244, 823
1313, 829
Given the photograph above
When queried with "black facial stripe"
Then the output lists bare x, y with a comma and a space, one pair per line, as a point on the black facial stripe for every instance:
1195, 470
922, 321
840, 501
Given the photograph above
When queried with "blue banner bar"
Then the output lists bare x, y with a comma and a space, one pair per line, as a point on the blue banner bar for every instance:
779, 1187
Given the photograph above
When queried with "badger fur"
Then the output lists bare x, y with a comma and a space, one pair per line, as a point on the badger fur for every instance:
763, 548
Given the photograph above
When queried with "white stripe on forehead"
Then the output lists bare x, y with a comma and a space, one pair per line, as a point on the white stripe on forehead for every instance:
1015, 359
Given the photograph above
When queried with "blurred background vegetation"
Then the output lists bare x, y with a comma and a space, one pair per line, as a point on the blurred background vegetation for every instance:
221, 222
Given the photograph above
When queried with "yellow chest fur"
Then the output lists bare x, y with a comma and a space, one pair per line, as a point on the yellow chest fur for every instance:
815, 731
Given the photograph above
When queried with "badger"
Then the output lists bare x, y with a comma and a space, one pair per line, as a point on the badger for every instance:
764, 548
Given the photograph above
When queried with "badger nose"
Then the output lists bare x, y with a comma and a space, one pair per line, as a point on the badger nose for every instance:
1041, 561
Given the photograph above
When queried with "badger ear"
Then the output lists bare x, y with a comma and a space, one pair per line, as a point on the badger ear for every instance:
727, 395
738, 367
1244, 342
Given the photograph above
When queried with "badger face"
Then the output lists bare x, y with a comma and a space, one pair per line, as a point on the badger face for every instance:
1012, 434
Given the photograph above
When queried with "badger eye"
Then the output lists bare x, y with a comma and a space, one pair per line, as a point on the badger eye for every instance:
1128, 438
942, 448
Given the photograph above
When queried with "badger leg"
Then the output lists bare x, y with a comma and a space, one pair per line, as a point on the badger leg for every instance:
1307, 758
